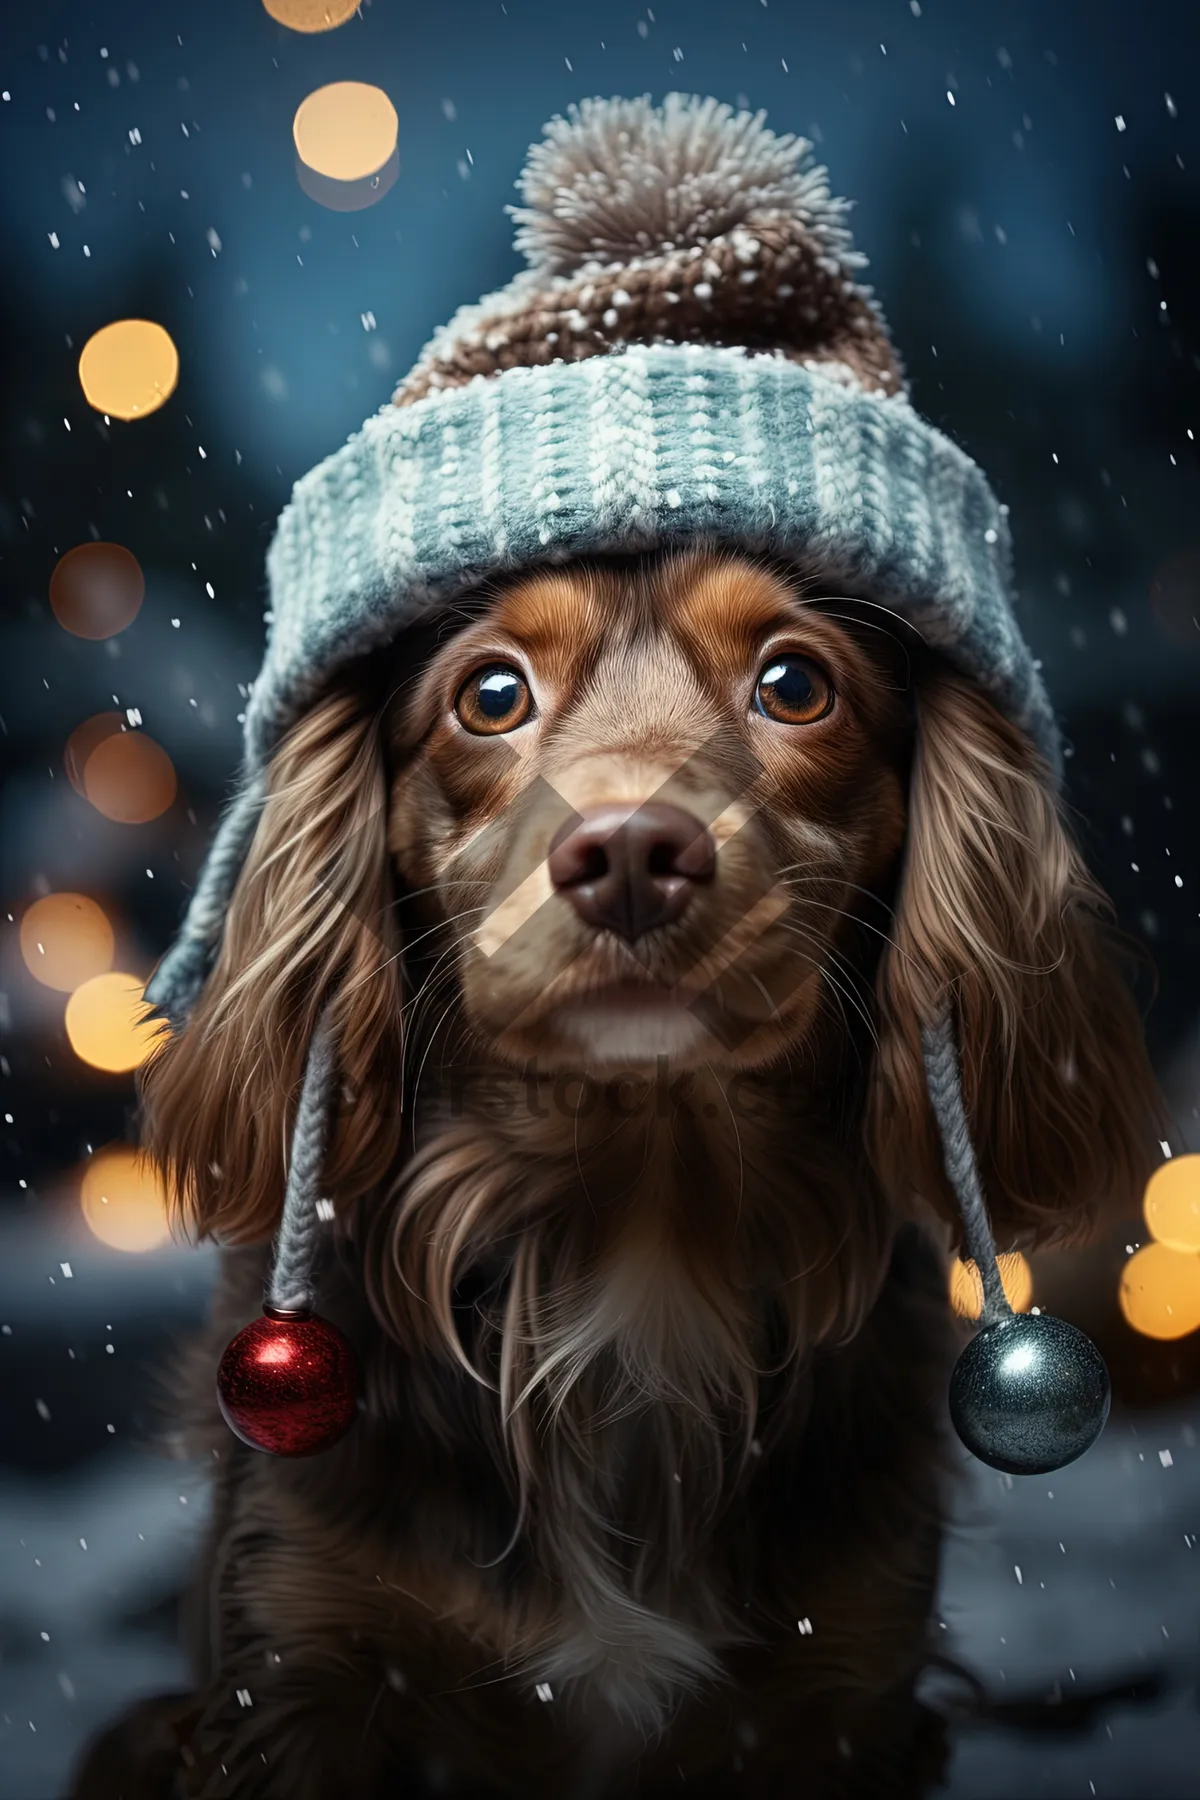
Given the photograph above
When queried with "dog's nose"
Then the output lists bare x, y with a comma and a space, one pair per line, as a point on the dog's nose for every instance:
630, 871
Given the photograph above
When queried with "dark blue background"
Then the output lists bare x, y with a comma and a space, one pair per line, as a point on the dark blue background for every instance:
1041, 270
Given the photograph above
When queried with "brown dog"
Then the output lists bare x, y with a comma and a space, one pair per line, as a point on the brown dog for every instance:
628, 904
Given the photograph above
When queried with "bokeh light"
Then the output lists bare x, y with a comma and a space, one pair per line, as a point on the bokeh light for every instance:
1172, 1203
312, 15
966, 1289
65, 940
129, 778
124, 1200
129, 368
96, 590
345, 137
1160, 1291
107, 1023
83, 741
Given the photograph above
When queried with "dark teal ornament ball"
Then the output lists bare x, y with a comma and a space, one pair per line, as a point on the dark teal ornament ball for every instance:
1029, 1394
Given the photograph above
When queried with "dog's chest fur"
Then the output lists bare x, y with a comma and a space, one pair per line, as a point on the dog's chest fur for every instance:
660, 1509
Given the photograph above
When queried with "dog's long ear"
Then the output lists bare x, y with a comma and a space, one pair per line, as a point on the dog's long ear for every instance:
311, 922
997, 911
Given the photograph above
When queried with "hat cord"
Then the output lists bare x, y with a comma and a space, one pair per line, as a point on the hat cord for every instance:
944, 1081
292, 1288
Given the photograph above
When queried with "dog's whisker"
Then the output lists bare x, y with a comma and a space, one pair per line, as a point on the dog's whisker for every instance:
854, 974
815, 964
456, 1001
443, 925
416, 1037
856, 919
418, 1003
405, 949
433, 971
837, 979
798, 872
908, 626
841, 977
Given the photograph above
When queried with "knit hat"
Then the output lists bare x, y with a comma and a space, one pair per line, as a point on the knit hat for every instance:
691, 353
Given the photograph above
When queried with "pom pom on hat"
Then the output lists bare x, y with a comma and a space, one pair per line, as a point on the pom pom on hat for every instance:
620, 180
681, 223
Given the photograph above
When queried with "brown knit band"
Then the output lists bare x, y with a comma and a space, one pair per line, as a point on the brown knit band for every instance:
765, 286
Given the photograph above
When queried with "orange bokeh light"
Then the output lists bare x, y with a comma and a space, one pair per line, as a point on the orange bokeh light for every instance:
1160, 1291
124, 1200
1172, 1204
128, 369
65, 940
129, 778
96, 590
83, 741
346, 132
312, 15
966, 1289
107, 1023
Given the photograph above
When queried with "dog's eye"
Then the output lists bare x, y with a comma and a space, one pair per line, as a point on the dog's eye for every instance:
793, 691
493, 699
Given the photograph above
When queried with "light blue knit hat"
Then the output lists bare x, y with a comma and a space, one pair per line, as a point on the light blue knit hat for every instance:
689, 355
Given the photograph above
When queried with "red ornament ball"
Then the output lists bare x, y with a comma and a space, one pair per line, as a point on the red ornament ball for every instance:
289, 1385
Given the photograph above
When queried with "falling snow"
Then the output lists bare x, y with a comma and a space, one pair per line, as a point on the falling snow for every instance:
1031, 208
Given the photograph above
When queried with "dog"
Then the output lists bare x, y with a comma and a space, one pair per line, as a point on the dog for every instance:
625, 897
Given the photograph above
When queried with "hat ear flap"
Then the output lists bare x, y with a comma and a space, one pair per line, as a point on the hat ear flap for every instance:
998, 916
310, 935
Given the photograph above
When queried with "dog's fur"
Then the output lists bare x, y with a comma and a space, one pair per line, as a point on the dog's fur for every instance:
638, 1243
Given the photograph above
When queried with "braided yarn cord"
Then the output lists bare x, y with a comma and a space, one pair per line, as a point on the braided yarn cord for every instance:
944, 1080
296, 1245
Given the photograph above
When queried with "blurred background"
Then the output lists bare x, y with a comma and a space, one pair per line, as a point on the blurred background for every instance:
213, 273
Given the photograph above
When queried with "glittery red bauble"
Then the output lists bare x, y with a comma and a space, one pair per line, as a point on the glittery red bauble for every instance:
288, 1385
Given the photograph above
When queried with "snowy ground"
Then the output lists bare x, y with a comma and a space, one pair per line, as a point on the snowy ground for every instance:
1085, 1581
1080, 1583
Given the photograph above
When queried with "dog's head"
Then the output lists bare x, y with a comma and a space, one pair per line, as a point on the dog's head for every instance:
684, 808
650, 799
